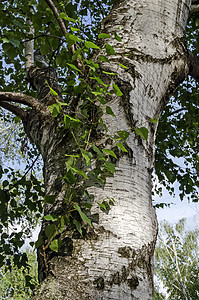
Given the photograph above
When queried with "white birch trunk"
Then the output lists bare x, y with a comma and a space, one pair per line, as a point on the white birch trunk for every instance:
117, 261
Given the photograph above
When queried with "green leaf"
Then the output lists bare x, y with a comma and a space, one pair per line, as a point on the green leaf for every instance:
123, 134
55, 109
74, 29
110, 167
143, 132
73, 67
55, 245
117, 37
62, 224
65, 17
82, 215
109, 111
78, 226
87, 156
110, 152
154, 120
121, 146
15, 42
49, 199
50, 218
39, 242
117, 90
109, 49
5, 40
50, 230
80, 172
103, 36
104, 58
123, 66
52, 92
91, 45
74, 38
109, 73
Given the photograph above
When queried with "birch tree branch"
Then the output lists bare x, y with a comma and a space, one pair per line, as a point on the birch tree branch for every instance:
60, 21
194, 66
18, 111
29, 46
194, 8
22, 99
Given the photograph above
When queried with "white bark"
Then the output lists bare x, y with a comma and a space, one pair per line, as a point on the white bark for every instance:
116, 262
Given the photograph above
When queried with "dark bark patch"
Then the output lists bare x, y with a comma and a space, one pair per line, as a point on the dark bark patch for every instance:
66, 248
99, 283
133, 282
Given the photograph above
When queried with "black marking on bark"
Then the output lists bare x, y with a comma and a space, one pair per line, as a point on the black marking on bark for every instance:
99, 283
66, 248
133, 282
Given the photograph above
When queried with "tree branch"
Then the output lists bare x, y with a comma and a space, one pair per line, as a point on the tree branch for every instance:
18, 111
29, 46
194, 66
22, 99
194, 8
61, 23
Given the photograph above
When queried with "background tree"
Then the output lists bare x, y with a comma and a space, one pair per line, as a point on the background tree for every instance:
90, 104
176, 260
17, 283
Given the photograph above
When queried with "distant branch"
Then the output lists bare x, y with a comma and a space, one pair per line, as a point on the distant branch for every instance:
194, 8
194, 66
177, 111
18, 111
29, 46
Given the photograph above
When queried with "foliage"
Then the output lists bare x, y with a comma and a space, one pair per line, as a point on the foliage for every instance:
177, 152
18, 282
176, 260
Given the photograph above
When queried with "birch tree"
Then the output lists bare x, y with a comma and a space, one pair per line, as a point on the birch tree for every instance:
91, 108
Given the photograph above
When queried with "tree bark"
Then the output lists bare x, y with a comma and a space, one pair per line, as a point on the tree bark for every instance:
115, 259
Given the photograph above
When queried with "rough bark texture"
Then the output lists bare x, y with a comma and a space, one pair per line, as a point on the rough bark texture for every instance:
115, 260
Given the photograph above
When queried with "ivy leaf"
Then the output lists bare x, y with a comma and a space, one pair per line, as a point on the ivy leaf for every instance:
80, 172
143, 132
82, 215
39, 242
109, 50
110, 152
65, 17
117, 90
154, 120
74, 67
103, 36
123, 134
55, 109
91, 45
52, 92
117, 37
87, 156
50, 218
50, 230
78, 226
104, 58
55, 245
15, 42
121, 146
123, 66
109, 73
110, 167
109, 111
49, 199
